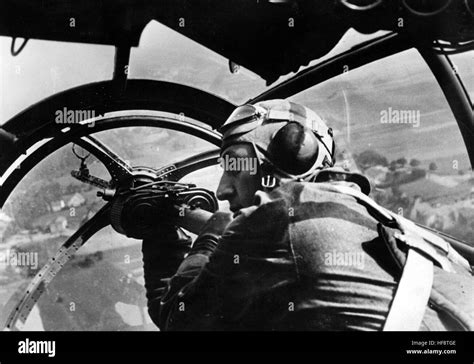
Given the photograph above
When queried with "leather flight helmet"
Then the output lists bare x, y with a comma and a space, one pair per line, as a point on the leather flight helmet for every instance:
290, 140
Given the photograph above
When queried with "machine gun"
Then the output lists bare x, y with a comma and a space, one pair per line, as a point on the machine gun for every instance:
140, 212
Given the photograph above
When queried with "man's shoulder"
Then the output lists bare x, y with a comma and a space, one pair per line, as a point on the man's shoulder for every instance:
296, 193
296, 196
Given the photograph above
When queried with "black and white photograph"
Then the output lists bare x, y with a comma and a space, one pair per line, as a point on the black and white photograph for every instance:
236, 171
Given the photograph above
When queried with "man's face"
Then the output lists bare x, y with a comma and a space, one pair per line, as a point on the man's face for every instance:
240, 179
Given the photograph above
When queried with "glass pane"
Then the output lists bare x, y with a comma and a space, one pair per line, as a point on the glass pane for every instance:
392, 122
100, 289
43, 211
349, 40
152, 147
45, 68
166, 55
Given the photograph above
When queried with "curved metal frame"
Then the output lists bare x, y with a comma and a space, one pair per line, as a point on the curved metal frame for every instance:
37, 122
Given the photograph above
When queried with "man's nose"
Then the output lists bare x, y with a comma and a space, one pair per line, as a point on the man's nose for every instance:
225, 190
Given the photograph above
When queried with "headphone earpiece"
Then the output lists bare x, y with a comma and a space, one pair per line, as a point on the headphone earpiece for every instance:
294, 148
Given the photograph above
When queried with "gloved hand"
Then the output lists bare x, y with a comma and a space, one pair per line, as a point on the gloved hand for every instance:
210, 233
217, 224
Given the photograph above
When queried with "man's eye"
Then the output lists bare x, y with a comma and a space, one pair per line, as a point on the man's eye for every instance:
228, 167
230, 171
